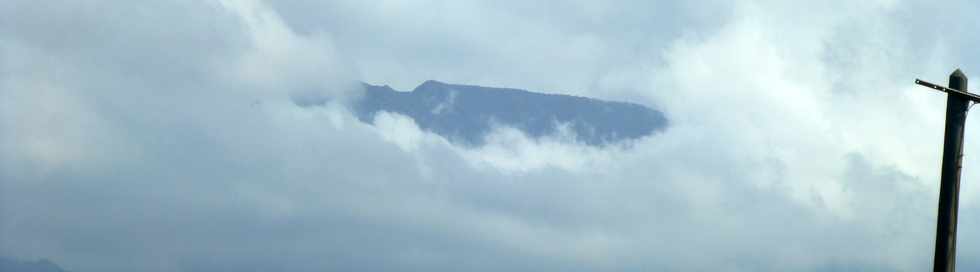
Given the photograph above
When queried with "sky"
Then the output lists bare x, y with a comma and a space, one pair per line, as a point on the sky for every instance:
162, 136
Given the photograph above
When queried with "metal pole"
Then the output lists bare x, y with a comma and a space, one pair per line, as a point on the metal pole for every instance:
949, 187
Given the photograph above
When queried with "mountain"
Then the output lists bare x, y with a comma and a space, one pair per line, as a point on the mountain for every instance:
465, 113
10, 265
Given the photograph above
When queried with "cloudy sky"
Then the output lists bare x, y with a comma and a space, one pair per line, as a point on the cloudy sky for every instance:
162, 136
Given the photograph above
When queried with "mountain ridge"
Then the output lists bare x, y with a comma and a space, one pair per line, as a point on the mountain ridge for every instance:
467, 113
41, 265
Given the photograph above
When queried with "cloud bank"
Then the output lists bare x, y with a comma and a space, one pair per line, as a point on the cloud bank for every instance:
163, 136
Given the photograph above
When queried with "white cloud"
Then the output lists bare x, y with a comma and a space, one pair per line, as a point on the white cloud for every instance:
445, 105
279, 59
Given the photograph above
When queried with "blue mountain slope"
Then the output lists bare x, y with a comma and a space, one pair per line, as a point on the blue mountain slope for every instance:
465, 114
10, 265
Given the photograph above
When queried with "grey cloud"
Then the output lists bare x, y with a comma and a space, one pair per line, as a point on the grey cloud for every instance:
577, 47
149, 147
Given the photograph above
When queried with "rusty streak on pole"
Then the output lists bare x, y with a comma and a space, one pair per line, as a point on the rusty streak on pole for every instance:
949, 187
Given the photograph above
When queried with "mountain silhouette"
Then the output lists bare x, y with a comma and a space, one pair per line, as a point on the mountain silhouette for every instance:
466, 114
43, 265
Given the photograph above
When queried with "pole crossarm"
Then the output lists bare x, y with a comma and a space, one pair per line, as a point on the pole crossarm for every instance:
970, 96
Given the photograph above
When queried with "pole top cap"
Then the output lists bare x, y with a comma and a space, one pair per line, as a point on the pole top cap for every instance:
957, 80
958, 73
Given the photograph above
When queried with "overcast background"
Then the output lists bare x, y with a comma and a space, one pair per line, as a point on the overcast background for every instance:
161, 136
